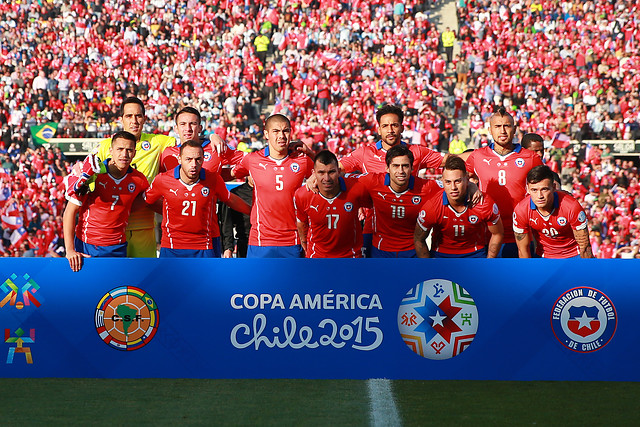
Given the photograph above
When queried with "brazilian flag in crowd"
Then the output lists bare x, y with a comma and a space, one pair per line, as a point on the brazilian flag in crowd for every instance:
43, 133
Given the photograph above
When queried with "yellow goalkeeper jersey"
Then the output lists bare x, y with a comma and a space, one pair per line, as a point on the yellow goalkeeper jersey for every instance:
147, 161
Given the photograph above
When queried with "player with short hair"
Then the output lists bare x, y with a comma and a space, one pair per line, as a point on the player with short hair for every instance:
103, 213
459, 229
535, 143
189, 195
554, 218
140, 231
328, 222
501, 168
277, 172
397, 197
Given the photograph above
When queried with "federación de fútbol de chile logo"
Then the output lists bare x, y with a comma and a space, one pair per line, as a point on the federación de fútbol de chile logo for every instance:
438, 319
584, 319
127, 318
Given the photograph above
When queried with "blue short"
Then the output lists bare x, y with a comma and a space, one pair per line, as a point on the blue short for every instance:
112, 251
480, 253
377, 253
294, 251
509, 250
367, 245
188, 253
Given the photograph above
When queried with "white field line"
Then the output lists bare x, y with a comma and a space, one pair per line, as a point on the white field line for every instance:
383, 404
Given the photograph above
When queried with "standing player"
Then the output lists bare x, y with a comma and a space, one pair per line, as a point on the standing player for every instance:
103, 213
397, 197
140, 231
459, 229
502, 170
328, 220
555, 218
276, 175
535, 143
190, 193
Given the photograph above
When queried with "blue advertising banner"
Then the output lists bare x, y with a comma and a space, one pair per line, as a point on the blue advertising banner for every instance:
289, 318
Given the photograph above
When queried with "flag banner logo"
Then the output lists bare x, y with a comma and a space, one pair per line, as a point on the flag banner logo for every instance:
438, 319
43, 133
584, 319
126, 318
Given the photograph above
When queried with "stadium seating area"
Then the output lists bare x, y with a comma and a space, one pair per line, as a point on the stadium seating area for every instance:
566, 69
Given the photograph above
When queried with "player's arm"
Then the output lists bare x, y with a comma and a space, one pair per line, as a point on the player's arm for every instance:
68, 230
420, 242
226, 230
301, 148
302, 232
237, 204
476, 195
522, 241
497, 236
582, 237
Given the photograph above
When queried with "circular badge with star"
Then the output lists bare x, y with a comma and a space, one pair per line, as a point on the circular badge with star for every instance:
438, 319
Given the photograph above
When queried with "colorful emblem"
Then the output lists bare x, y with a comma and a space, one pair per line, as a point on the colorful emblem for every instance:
207, 156
438, 319
520, 163
146, 145
131, 187
205, 191
348, 206
127, 318
416, 200
295, 167
584, 319
473, 219
562, 221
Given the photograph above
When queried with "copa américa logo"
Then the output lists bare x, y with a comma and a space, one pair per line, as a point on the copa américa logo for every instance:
127, 318
438, 319
584, 319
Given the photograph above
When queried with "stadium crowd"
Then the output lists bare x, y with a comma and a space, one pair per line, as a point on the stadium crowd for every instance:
565, 69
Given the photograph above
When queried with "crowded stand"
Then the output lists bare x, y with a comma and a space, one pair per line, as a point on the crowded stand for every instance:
566, 71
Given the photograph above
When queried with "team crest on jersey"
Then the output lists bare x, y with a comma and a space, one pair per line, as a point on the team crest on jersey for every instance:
295, 167
562, 221
131, 187
520, 163
205, 191
584, 319
348, 206
438, 319
207, 156
416, 200
146, 145
473, 219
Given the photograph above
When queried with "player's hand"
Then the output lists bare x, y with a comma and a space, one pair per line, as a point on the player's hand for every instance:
299, 147
312, 183
218, 143
227, 254
362, 214
476, 195
76, 259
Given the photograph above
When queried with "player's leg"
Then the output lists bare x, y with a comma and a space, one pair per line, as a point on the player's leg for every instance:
508, 250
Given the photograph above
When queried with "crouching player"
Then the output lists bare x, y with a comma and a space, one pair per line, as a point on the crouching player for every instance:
189, 195
103, 213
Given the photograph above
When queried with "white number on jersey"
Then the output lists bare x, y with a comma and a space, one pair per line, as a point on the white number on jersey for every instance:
185, 207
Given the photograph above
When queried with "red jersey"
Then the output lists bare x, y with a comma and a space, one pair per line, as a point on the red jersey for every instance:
104, 212
457, 233
334, 229
395, 214
503, 178
553, 233
213, 162
189, 219
273, 217
370, 158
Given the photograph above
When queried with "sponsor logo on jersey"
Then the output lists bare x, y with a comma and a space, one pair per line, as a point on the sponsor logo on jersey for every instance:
205, 191
146, 145
422, 214
473, 219
348, 207
582, 217
295, 167
126, 318
520, 163
416, 200
207, 156
438, 319
131, 187
584, 319
496, 211
562, 221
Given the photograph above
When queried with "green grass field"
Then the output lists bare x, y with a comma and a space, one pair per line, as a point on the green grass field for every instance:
315, 402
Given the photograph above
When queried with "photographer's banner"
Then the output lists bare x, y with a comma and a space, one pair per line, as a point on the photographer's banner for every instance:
290, 318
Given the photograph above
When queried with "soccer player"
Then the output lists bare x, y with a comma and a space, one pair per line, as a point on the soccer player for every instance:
277, 173
397, 197
189, 127
459, 229
104, 212
328, 221
554, 218
535, 143
501, 168
189, 195
140, 231
235, 226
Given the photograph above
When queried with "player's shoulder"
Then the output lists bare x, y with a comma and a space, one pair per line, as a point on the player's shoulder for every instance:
303, 193
158, 138
524, 204
137, 175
